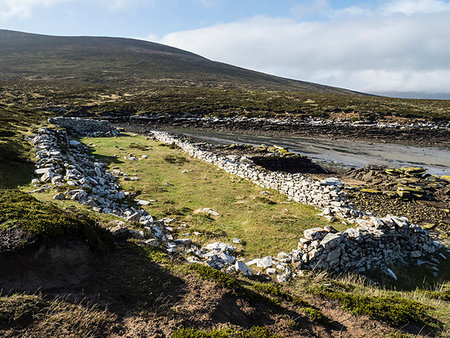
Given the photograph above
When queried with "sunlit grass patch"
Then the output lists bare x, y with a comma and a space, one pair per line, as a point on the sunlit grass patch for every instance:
180, 186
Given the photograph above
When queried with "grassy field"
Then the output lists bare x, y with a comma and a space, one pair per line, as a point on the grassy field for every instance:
181, 186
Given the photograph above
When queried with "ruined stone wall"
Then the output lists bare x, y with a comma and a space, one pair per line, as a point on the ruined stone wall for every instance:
84, 127
375, 243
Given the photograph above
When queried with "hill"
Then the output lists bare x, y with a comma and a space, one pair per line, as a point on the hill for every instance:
106, 60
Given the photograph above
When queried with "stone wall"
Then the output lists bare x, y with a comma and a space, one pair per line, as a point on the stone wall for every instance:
66, 164
84, 127
376, 243
325, 194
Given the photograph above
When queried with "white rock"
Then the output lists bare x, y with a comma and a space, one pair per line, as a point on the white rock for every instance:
152, 242
282, 279
133, 218
391, 273
315, 233
142, 202
241, 267
330, 240
210, 211
265, 262
333, 181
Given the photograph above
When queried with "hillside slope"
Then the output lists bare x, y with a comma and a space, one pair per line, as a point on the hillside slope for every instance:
104, 59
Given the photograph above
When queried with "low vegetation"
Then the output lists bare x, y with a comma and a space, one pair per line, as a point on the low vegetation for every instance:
254, 332
424, 306
39, 221
395, 310
94, 98
34, 314
15, 125
219, 277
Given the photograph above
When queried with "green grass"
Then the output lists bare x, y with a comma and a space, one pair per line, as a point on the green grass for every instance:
41, 221
277, 291
221, 278
395, 310
254, 332
182, 186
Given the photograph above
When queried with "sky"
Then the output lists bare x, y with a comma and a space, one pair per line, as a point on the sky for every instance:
390, 47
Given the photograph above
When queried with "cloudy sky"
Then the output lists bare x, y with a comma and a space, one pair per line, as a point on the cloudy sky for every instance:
394, 47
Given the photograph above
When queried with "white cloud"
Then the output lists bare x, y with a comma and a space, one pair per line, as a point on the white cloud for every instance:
10, 9
373, 51
23, 8
410, 7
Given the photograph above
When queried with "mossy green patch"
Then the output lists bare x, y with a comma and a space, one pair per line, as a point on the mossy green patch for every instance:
314, 315
254, 332
221, 278
276, 291
42, 221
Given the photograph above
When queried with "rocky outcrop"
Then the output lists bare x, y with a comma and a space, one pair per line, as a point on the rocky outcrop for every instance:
84, 127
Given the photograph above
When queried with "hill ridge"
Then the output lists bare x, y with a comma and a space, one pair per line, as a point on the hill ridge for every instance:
100, 59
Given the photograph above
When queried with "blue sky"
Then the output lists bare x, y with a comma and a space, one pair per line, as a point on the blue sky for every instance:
137, 18
397, 47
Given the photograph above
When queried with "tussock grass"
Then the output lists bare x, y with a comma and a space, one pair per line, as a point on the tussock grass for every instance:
38, 315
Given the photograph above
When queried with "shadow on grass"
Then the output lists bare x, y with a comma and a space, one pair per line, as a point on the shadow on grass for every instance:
13, 174
103, 158
412, 277
124, 281
127, 280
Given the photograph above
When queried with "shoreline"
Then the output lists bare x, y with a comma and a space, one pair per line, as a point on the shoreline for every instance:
422, 136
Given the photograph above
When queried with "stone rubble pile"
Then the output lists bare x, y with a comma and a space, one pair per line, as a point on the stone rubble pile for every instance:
376, 243
325, 194
83, 127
